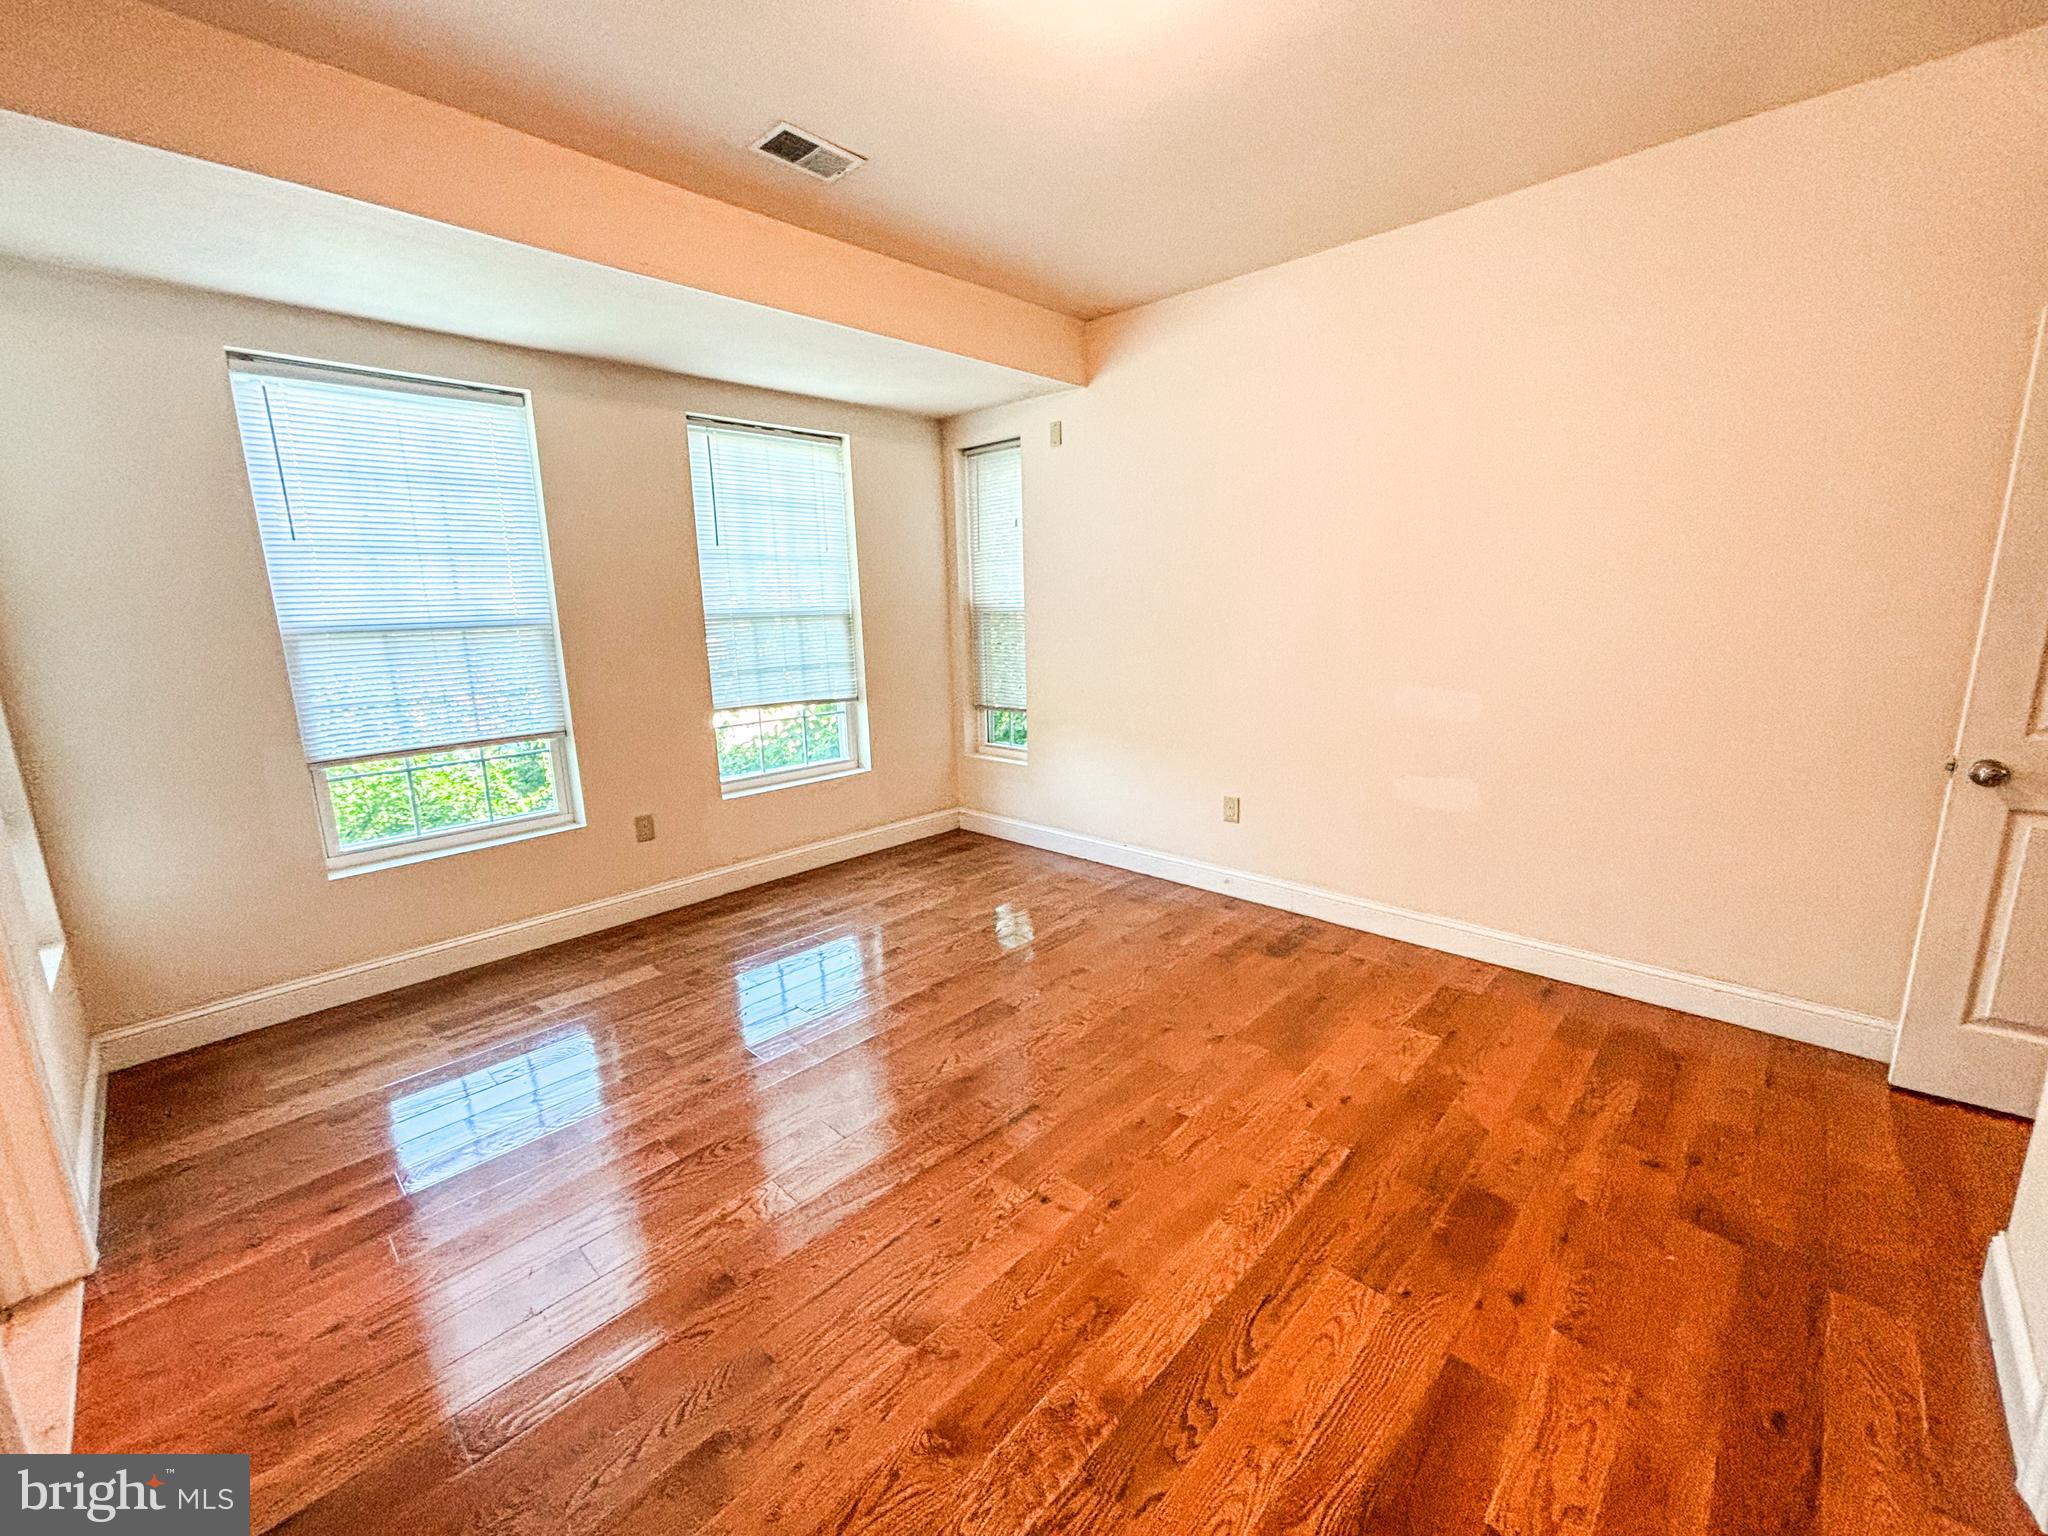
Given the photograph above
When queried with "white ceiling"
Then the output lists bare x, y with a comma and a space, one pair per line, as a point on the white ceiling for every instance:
1094, 154
78, 199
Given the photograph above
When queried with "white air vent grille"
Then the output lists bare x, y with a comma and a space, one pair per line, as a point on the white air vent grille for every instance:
807, 152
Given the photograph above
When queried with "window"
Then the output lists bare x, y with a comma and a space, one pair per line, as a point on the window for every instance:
403, 532
781, 618
993, 479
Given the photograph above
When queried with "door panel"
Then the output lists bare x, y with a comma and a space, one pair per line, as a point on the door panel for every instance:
1975, 1025
2012, 976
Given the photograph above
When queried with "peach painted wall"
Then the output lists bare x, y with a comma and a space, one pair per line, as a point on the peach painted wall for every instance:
135, 72
141, 669
1600, 563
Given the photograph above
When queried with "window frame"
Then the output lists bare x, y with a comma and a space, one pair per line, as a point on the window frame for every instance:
425, 845
389, 853
978, 743
1002, 751
860, 759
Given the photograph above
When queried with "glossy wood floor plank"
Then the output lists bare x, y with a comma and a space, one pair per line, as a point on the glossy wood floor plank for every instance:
968, 1188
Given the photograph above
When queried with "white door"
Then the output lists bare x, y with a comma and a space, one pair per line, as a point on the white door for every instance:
1976, 1019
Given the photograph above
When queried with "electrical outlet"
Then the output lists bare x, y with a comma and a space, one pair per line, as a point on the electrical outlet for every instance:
1230, 809
643, 829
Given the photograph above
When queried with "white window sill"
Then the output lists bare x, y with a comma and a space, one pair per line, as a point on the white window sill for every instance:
1000, 755
402, 855
742, 789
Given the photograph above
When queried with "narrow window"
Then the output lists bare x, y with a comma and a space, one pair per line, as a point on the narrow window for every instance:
993, 479
407, 549
781, 603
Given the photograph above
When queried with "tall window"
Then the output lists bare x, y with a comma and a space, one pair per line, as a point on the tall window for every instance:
994, 493
781, 616
402, 528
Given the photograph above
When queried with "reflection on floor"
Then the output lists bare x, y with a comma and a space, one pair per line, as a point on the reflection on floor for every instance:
969, 1188
1013, 926
455, 1124
779, 997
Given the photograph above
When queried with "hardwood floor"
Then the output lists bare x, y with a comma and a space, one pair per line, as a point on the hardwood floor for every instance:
969, 1188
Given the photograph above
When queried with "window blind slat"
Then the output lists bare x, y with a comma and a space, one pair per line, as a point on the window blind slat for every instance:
407, 552
775, 555
995, 523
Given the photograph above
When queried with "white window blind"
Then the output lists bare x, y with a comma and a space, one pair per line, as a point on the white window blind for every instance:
995, 543
402, 528
775, 554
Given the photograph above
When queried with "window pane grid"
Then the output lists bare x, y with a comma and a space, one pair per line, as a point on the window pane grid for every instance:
783, 738
427, 794
1004, 728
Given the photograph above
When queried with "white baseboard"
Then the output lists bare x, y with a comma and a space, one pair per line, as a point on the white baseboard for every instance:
1816, 1023
133, 1044
1837, 1029
2019, 1378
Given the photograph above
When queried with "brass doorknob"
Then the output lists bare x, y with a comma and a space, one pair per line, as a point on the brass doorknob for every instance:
1990, 772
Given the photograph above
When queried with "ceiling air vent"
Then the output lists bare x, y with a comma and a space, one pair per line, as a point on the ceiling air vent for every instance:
807, 152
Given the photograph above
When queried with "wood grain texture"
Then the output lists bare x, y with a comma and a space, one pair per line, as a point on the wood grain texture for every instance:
970, 1188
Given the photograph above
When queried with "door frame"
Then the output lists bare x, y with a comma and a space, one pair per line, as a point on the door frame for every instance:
44, 1241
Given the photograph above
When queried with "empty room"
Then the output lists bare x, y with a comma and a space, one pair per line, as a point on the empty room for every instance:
1023, 766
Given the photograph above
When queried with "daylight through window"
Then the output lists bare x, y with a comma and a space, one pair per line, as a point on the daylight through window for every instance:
781, 621
403, 533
